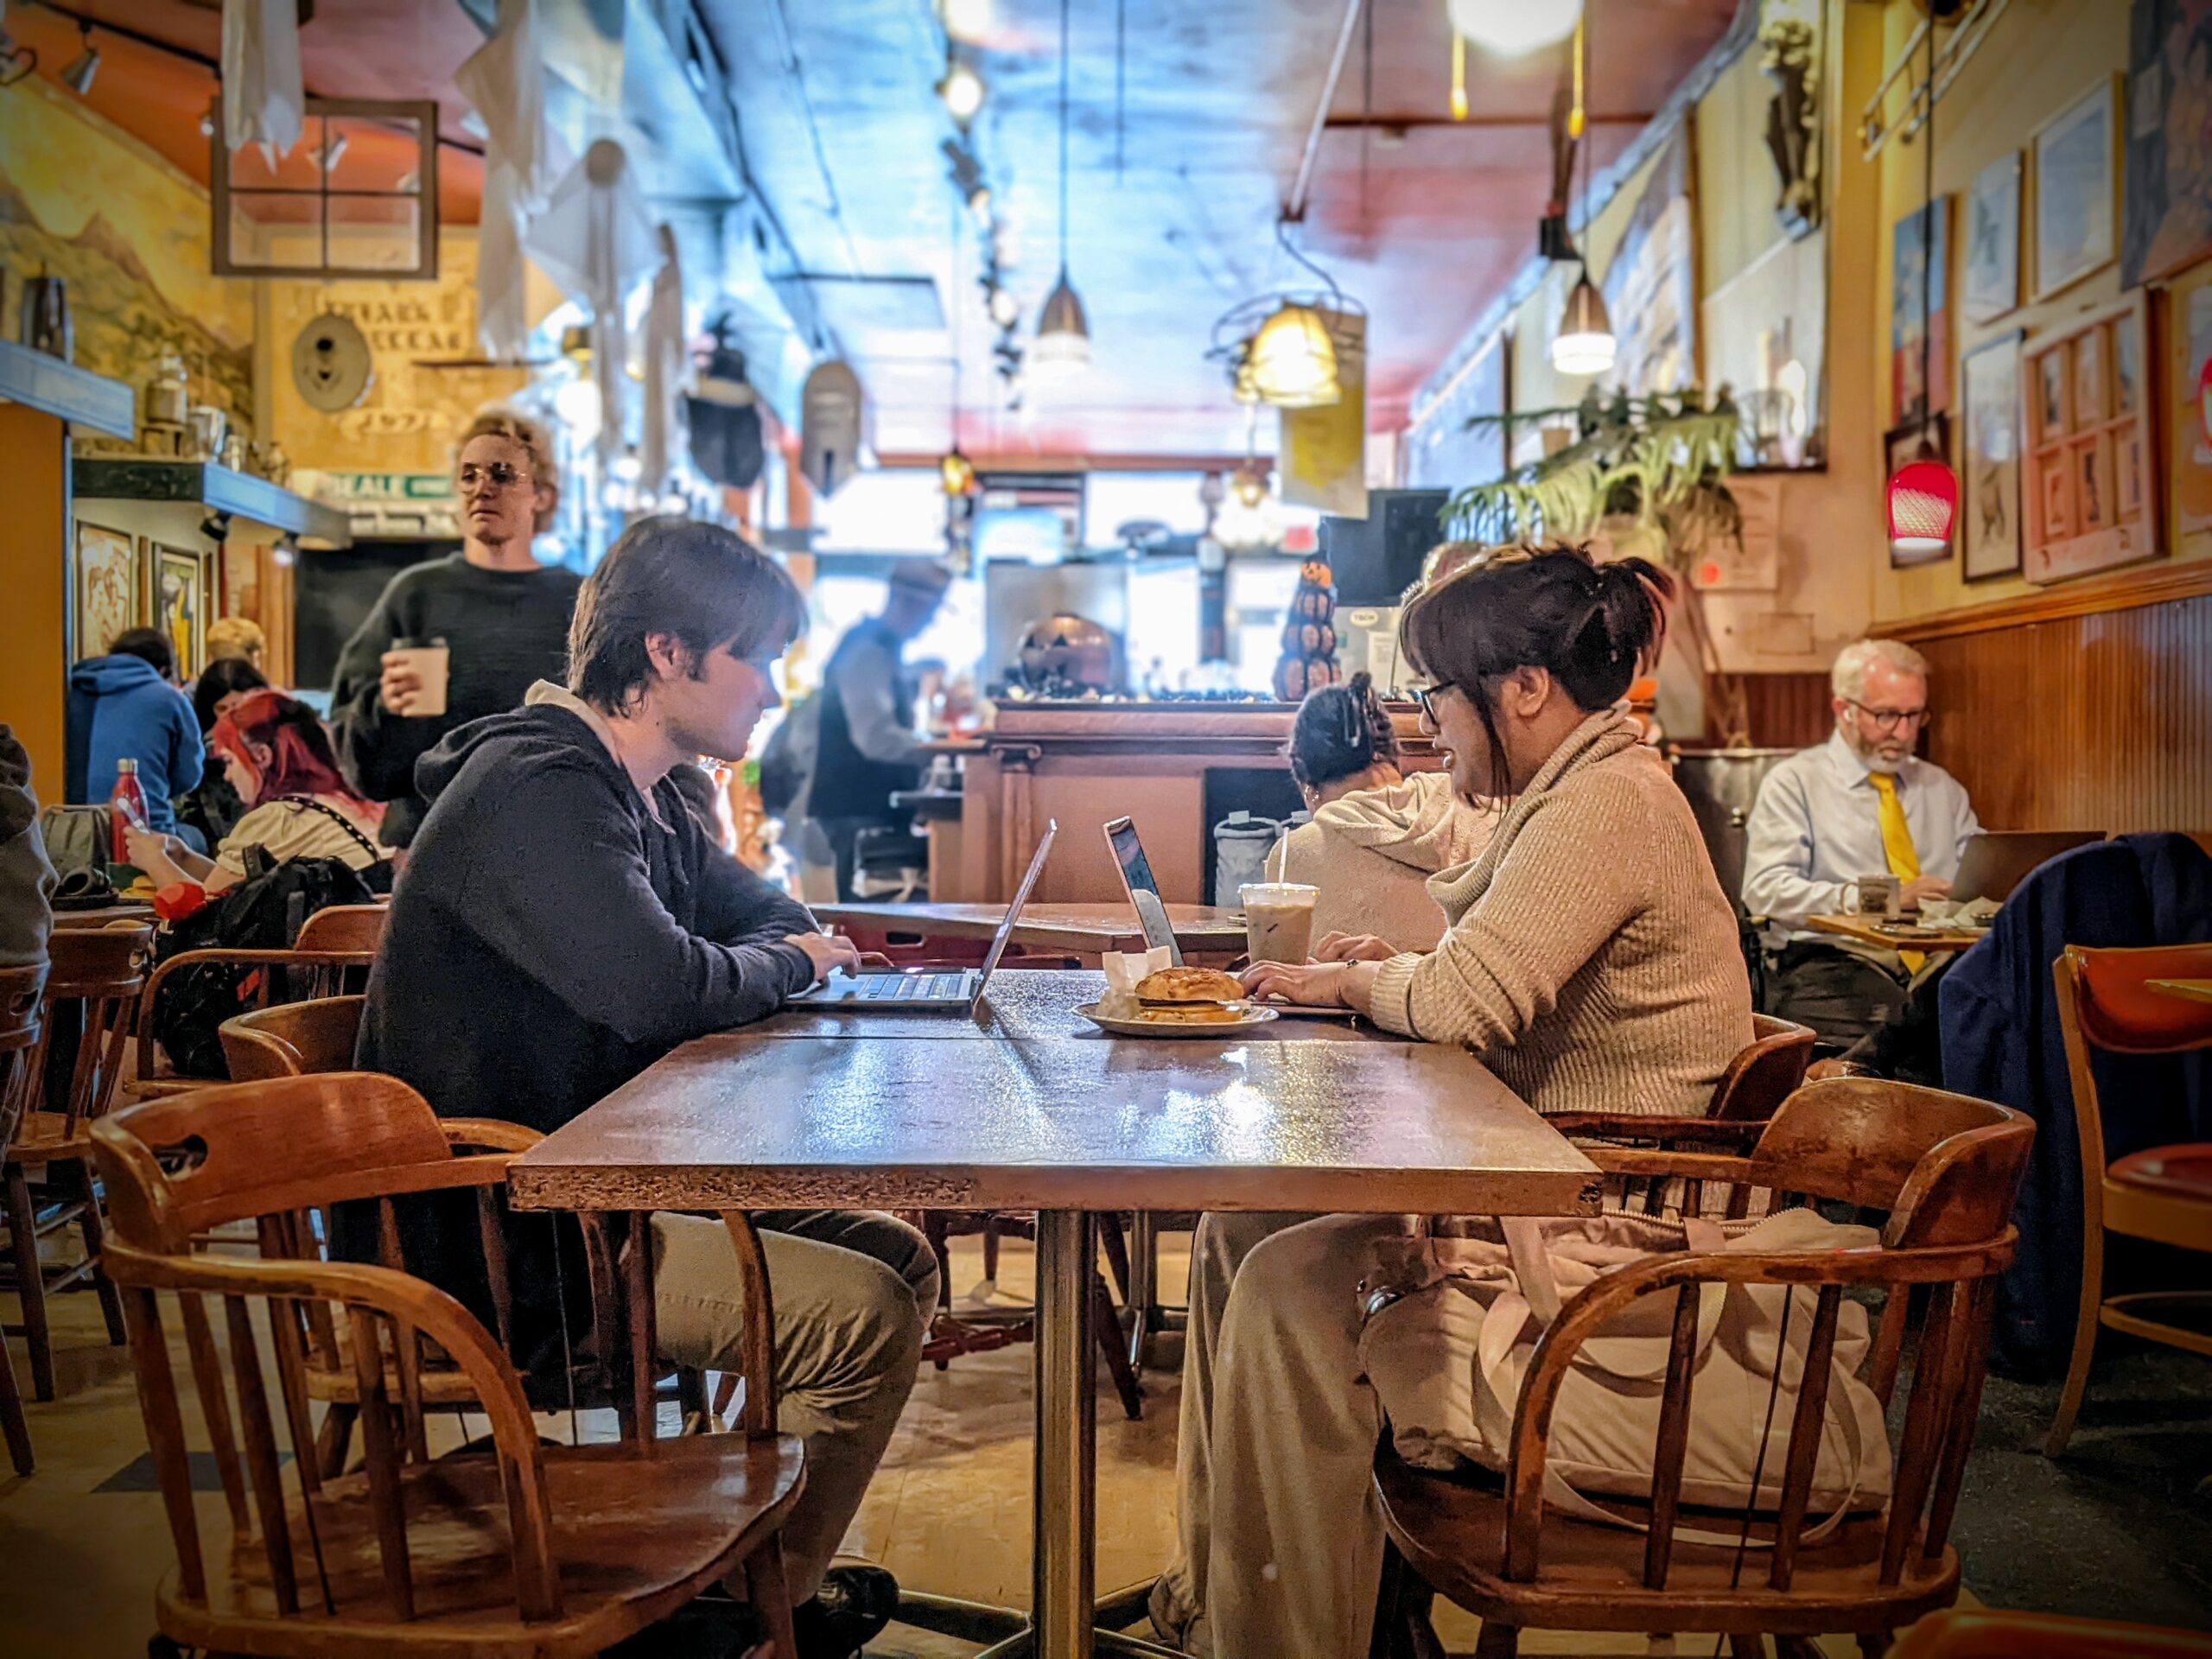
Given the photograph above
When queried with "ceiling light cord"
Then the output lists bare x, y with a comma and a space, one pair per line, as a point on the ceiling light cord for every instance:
1336, 293
1063, 140
1927, 249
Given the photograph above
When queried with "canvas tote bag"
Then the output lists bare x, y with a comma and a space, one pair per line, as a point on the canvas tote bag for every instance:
1453, 1323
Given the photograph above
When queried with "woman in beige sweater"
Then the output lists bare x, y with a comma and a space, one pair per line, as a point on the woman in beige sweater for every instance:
1591, 963
1376, 835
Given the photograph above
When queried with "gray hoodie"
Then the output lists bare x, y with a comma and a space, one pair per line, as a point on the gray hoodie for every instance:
26, 875
1371, 852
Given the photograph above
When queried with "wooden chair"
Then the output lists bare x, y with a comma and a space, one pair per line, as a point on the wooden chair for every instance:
291, 1040
522, 1549
2163, 1194
95, 977
22, 990
1984, 1633
332, 944
1947, 1170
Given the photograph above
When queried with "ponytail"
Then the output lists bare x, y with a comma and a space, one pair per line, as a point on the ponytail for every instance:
1341, 731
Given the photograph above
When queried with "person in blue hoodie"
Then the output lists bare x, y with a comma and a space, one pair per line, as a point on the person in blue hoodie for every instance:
126, 706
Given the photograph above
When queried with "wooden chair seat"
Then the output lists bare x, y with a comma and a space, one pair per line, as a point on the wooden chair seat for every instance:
50, 1137
2181, 1174
1451, 1529
633, 1540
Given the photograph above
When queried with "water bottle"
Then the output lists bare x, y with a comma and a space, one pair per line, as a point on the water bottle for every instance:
126, 809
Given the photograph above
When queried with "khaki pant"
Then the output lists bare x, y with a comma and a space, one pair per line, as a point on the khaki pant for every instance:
1279, 1537
854, 1292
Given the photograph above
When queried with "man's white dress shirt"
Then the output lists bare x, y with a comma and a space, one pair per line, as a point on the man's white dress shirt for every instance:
1817, 825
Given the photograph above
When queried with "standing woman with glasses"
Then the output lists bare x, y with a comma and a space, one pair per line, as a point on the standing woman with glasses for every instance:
459, 638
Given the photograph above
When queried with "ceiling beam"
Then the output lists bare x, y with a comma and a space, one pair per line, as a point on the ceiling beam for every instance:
1406, 123
1294, 207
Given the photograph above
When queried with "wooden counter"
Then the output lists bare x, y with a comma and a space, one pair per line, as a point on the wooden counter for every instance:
1177, 768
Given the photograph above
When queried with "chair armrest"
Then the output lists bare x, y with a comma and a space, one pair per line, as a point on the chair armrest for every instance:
488, 1132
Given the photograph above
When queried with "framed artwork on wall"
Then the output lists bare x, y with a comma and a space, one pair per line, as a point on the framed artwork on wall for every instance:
1989, 491
1900, 445
2074, 190
178, 585
106, 590
1992, 231
2166, 199
1920, 243
2188, 397
2088, 457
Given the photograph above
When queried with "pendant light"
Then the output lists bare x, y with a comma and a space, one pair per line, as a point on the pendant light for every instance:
78, 77
1923, 496
1585, 342
1292, 362
1063, 342
1507, 29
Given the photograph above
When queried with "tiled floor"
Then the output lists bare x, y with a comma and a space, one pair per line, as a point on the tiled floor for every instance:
947, 1512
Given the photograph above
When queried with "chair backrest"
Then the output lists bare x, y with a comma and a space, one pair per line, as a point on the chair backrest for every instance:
1761, 1077
2105, 1001
291, 1040
270, 1151
352, 928
22, 993
1947, 1170
101, 971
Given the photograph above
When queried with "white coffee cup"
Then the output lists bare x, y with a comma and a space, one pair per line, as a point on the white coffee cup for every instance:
1874, 895
431, 663
1278, 920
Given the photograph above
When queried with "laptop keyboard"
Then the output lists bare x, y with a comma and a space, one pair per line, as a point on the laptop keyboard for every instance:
907, 988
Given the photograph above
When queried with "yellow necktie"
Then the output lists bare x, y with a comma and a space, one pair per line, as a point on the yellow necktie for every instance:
1897, 846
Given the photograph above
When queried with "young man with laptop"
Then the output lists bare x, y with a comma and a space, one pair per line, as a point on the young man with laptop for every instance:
562, 923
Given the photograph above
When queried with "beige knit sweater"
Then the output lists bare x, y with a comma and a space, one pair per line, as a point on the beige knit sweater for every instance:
1592, 960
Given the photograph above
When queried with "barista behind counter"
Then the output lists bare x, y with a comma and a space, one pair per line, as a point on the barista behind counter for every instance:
867, 749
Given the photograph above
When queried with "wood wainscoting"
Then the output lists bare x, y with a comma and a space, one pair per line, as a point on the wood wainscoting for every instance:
2086, 706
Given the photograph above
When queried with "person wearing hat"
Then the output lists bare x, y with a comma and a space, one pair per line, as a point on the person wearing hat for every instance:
867, 749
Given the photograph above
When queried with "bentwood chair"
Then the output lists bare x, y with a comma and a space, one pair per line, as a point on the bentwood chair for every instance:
1986, 1633
1947, 1169
334, 945
92, 984
291, 1040
2164, 1193
517, 1549
21, 991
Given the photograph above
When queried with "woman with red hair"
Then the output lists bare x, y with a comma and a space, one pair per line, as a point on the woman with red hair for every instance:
280, 760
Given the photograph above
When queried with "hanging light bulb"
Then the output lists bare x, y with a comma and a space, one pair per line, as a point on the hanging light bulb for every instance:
1292, 361
1507, 29
78, 77
962, 89
965, 20
1923, 503
1250, 484
979, 204
955, 472
1006, 310
1584, 343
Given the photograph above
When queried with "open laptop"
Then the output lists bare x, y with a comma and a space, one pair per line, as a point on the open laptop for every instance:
1144, 891
1994, 864
924, 991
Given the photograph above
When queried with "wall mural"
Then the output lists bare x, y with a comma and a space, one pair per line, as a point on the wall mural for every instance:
128, 233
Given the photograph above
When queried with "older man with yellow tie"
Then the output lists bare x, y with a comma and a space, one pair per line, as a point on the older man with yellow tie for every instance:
1861, 803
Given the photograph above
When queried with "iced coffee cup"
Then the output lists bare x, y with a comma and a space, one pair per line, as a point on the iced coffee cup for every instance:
1278, 920
430, 660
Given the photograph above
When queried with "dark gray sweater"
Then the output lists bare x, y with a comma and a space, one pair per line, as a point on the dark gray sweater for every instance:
25, 874
506, 629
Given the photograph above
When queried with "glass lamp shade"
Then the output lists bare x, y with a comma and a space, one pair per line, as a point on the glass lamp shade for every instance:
1292, 362
1506, 29
1063, 332
1584, 343
1924, 504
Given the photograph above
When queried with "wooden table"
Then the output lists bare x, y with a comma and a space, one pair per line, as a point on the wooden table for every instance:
1028, 1111
2193, 990
1208, 935
1867, 931
122, 910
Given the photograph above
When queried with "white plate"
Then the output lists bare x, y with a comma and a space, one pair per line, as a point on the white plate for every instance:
1253, 1015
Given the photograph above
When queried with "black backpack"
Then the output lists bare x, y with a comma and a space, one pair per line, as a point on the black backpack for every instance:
265, 912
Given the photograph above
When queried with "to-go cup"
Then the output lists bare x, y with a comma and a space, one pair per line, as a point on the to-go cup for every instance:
430, 660
1278, 920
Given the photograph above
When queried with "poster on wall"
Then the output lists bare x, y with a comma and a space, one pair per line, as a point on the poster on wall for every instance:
2074, 191
2166, 199
1992, 280
2189, 408
107, 590
180, 592
1650, 286
1989, 498
1920, 251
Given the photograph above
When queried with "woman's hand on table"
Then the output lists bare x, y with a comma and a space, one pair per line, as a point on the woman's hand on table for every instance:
1353, 947
1313, 985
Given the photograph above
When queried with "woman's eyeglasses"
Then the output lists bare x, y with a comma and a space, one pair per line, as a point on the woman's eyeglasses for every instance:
499, 475
1428, 697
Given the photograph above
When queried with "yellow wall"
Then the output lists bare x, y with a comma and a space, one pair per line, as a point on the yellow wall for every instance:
2040, 57
130, 234
33, 456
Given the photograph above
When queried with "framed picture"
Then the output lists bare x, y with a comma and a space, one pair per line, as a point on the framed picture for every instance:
1901, 445
1920, 249
2087, 479
179, 587
1989, 492
2074, 191
2187, 418
1992, 278
107, 590
2166, 201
